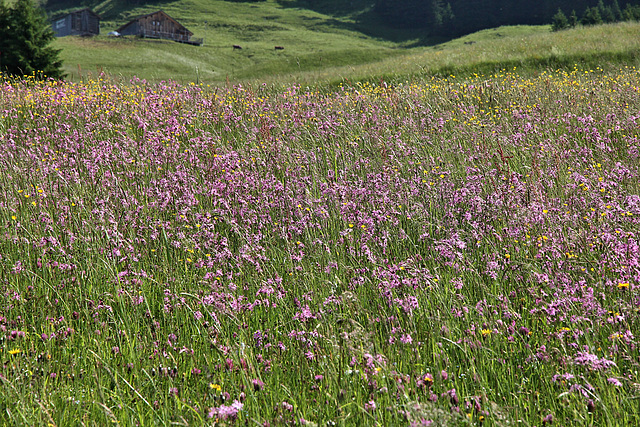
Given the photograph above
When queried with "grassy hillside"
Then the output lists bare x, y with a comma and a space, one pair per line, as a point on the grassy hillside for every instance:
312, 40
529, 49
321, 45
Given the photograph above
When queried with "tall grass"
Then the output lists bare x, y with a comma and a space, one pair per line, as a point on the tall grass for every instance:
451, 251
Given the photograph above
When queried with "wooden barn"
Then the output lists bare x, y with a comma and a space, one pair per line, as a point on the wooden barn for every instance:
158, 25
84, 22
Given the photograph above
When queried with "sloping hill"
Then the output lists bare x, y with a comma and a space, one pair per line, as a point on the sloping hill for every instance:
327, 44
311, 40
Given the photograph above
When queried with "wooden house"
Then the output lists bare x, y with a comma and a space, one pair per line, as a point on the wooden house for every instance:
82, 22
158, 25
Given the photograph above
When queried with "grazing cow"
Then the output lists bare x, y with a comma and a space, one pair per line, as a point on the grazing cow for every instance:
279, 48
236, 46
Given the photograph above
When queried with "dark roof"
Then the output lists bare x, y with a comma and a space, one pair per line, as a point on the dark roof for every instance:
62, 15
149, 14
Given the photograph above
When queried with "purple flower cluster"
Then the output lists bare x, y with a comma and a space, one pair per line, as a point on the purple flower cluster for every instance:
226, 412
377, 226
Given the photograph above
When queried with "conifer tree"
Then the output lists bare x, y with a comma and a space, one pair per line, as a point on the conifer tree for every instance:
606, 12
631, 13
615, 8
560, 21
25, 35
573, 19
591, 16
4, 31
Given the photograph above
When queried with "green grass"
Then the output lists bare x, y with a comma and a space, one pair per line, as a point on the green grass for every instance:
312, 41
529, 49
328, 48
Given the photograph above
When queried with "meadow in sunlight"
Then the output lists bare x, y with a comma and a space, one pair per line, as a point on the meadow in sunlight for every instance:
444, 251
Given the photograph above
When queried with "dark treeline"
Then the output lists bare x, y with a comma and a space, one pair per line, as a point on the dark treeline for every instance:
455, 17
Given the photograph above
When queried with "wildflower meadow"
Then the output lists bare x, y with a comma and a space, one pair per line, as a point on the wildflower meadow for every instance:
445, 251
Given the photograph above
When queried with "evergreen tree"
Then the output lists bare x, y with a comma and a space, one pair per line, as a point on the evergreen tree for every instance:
25, 35
605, 12
608, 15
430, 14
573, 19
631, 13
591, 16
615, 8
559, 21
4, 30
440, 16
447, 17
456, 17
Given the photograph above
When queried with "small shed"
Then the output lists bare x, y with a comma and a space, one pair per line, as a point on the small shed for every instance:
84, 22
158, 25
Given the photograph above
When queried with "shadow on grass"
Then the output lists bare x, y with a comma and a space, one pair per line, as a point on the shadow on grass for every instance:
602, 60
359, 16
328, 7
529, 66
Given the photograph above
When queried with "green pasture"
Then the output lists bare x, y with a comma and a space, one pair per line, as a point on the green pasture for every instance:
323, 48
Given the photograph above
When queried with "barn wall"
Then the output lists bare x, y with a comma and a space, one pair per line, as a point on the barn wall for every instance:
158, 25
84, 22
132, 29
76, 23
94, 24
89, 23
62, 26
